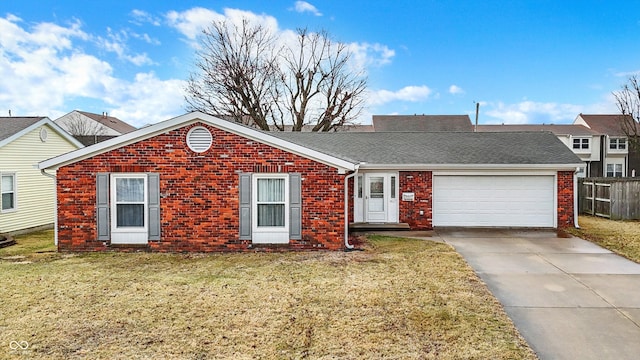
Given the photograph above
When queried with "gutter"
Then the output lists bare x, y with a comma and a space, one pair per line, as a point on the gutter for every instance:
346, 207
55, 210
575, 199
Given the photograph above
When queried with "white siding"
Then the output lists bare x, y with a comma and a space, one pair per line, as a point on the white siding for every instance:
35, 192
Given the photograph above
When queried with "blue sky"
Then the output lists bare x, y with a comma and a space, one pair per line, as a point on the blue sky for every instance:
523, 61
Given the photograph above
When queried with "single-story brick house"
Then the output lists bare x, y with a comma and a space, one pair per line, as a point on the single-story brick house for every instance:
200, 183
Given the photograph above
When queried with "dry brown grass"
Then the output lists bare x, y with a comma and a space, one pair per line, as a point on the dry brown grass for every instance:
399, 299
621, 237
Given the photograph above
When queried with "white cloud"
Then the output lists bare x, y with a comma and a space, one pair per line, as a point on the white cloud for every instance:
116, 42
530, 112
408, 93
455, 90
142, 17
365, 54
45, 67
190, 23
303, 6
147, 99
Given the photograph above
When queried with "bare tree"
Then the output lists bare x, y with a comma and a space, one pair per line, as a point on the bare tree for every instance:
322, 90
76, 125
628, 102
245, 75
238, 76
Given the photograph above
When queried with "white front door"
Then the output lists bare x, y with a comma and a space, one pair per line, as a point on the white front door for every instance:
381, 197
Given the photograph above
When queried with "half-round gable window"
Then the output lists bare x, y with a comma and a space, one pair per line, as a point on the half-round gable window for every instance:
199, 139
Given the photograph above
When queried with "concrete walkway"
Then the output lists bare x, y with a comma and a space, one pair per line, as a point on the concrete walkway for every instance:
569, 298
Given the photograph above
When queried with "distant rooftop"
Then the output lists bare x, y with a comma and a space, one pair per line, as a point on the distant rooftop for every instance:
13, 125
422, 123
561, 129
110, 121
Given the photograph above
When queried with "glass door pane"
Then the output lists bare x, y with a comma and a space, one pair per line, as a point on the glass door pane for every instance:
376, 193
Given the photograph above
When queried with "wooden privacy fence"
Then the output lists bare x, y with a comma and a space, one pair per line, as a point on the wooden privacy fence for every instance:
614, 198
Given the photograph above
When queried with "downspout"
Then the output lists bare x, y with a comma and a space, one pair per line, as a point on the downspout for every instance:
575, 199
346, 208
55, 210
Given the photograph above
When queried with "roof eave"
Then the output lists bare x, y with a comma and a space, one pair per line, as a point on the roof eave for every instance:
416, 167
184, 120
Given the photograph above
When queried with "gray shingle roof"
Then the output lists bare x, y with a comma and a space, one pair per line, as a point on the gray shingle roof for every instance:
12, 125
450, 148
424, 123
560, 129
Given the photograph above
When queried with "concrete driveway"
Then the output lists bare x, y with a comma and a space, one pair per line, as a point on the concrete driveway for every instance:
569, 298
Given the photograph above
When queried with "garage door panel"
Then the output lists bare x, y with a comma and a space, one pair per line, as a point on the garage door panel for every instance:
507, 201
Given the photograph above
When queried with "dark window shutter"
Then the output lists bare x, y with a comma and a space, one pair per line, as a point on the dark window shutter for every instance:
245, 206
153, 182
295, 206
102, 203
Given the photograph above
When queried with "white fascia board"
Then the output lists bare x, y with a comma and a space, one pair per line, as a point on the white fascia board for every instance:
187, 119
431, 167
44, 121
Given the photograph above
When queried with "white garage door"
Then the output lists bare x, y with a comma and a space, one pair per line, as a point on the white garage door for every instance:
493, 201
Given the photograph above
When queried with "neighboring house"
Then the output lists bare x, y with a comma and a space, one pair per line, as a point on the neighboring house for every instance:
92, 128
27, 197
423, 123
584, 142
617, 158
199, 183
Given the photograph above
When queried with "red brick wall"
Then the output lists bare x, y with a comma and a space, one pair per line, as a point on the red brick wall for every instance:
420, 183
199, 193
565, 199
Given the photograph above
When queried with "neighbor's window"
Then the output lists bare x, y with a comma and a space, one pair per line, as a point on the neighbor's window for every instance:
360, 187
617, 143
271, 202
614, 170
581, 143
130, 202
8, 190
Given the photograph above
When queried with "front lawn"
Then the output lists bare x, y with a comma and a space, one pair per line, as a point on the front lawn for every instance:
622, 237
399, 299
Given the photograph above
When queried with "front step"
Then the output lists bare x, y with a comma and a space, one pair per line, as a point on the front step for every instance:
362, 226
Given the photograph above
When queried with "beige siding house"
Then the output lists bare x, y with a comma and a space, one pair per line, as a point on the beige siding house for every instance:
27, 196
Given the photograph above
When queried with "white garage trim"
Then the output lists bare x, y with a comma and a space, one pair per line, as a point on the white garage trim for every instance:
495, 200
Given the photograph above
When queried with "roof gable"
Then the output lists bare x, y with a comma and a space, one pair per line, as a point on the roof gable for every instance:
605, 124
184, 120
423, 123
12, 128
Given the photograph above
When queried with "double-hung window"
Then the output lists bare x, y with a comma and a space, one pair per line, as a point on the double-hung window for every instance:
617, 144
614, 170
8, 191
581, 143
271, 202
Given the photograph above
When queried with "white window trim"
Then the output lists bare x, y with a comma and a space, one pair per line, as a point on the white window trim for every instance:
613, 164
617, 142
114, 208
269, 234
15, 191
580, 148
